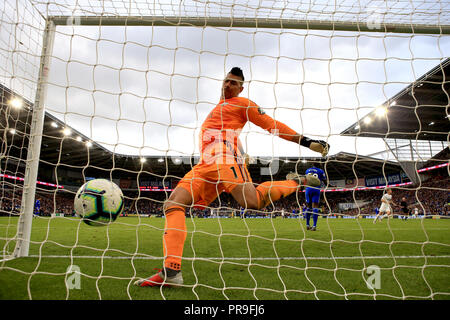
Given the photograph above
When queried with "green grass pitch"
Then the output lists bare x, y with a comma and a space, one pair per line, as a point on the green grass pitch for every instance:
236, 259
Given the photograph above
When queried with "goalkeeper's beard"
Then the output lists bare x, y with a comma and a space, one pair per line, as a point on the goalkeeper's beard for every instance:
226, 94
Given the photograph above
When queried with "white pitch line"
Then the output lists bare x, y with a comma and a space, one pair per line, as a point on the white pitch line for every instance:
242, 258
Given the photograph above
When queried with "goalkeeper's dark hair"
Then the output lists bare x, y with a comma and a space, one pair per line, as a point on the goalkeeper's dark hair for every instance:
237, 72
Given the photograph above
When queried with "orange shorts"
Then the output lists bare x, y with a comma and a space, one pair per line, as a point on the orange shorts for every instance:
206, 181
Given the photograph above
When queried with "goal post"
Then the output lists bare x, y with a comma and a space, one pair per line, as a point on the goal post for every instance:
268, 23
34, 147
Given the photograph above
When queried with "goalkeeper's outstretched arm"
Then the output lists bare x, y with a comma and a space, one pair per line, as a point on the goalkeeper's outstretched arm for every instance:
258, 117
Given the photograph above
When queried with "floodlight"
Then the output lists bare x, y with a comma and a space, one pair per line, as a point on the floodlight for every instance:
16, 103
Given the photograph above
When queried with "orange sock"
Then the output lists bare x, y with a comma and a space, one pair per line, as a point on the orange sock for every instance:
174, 237
271, 191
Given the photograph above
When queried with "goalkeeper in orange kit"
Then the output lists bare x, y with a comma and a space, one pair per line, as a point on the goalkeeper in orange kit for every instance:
222, 169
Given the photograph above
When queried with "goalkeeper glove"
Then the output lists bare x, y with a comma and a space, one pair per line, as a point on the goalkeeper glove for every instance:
319, 146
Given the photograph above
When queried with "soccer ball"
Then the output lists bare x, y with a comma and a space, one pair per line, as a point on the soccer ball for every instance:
98, 202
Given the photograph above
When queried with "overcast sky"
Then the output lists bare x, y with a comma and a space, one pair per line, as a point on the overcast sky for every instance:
143, 90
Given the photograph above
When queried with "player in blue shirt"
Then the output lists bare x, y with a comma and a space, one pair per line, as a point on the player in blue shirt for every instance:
37, 207
312, 196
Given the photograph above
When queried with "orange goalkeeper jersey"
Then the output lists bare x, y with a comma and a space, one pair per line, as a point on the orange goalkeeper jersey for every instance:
220, 131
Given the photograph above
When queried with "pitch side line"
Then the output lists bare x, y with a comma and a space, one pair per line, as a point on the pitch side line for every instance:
240, 258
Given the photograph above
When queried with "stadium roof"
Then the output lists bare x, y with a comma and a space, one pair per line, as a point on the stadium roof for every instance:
439, 159
421, 111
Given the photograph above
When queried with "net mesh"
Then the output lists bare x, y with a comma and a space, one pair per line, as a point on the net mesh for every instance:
398, 12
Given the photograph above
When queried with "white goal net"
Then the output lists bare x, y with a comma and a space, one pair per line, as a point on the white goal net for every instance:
120, 89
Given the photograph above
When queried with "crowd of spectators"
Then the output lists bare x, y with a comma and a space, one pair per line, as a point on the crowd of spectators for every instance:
50, 202
430, 197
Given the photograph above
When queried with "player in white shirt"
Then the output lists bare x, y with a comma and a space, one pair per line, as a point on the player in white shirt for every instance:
416, 212
385, 208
